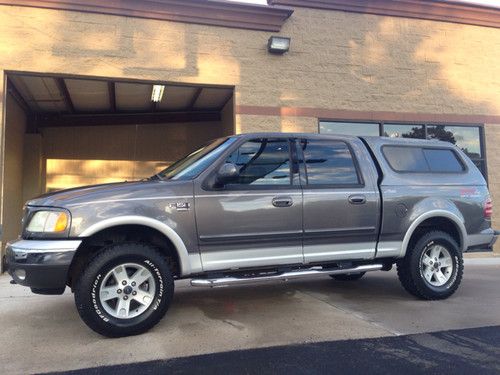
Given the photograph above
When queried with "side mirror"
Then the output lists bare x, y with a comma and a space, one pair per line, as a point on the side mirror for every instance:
227, 173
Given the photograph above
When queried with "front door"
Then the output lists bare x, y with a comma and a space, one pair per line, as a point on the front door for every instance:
256, 220
341, 203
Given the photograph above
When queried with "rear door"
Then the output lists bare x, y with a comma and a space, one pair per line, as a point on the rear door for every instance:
341, 200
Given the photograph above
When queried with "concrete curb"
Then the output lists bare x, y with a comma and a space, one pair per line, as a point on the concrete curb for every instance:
490, 261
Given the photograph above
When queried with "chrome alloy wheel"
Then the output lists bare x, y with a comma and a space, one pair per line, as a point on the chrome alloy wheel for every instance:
127, 290
436, 265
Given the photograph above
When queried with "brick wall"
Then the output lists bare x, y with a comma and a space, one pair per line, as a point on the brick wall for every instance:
492, 136
337, 60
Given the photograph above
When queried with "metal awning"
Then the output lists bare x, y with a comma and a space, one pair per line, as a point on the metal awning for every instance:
71, 101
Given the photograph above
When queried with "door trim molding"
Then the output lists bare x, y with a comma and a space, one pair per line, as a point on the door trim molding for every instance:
252, 237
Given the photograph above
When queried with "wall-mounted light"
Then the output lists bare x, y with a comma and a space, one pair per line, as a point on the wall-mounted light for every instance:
157, 93
278, 44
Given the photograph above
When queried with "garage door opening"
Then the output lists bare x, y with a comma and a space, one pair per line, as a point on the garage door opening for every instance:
63, 132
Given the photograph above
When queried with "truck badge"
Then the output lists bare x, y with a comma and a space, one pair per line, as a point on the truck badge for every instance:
180, 206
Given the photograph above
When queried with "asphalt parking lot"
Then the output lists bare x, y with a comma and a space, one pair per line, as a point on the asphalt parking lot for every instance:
44, 333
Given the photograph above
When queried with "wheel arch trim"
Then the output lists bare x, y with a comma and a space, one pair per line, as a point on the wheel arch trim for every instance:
180, 247
435, 214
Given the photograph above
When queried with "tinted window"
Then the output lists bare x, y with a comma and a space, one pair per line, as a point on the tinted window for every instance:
262, 162
417, 159
329, 163
442, 160
406, 159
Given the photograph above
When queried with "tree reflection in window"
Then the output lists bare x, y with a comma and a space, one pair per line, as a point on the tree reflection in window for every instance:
404, 131
465, 137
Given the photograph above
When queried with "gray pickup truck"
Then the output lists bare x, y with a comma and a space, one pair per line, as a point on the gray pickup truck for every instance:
257, 207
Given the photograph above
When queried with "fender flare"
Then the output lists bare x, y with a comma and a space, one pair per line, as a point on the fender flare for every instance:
432, 214
180, 247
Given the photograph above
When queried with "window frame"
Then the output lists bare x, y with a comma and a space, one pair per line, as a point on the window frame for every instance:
304, 180
242, 187
482, 139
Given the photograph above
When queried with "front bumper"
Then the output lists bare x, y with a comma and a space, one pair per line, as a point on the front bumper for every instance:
483, 241
41, 264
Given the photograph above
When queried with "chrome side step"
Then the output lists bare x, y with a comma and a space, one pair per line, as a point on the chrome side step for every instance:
231, 280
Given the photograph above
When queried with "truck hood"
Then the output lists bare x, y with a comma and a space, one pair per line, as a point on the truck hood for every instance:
106, 192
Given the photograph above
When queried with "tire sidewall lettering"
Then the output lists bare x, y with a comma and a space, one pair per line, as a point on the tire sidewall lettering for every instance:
160, 290
94, 292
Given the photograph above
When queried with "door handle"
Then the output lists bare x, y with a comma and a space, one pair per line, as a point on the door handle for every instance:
282, 201
357, 199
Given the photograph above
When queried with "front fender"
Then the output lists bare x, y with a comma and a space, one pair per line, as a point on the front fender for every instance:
184, 259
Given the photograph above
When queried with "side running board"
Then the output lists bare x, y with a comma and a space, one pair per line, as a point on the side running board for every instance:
284, 276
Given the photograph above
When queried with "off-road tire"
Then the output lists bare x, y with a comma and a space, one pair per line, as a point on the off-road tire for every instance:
87, 287
348, 276
409, 268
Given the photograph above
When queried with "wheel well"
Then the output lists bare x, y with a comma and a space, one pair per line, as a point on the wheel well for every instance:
436, 223
123, 233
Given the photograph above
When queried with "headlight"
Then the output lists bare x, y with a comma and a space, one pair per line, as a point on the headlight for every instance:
48, 222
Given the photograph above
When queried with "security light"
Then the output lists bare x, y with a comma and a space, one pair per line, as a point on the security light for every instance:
278, 44
157, 93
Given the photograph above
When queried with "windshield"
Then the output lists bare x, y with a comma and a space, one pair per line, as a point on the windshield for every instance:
196, 162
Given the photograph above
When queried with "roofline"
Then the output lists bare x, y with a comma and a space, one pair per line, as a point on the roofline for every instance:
388, 140
436, 10
291, 135
206, 12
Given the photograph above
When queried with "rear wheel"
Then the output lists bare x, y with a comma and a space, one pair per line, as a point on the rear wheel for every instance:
348, 276
125, 290
433, 269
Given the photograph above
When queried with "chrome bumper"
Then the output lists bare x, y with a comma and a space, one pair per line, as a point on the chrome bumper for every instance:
40, 264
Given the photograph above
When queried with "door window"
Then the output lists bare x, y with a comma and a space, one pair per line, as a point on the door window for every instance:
262, 162
329, 163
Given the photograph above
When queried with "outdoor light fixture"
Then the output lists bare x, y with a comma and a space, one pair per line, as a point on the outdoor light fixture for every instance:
278, 44
157, 93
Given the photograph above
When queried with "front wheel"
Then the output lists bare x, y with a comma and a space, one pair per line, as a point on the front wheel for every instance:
125, 290
433, 269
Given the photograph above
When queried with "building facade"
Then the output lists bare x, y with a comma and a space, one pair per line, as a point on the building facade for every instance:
76, 79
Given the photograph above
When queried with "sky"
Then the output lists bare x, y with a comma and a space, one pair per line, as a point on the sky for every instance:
495, 3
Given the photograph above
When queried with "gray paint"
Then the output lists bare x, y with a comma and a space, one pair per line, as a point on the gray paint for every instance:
460, 196
336, 229
228, 229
